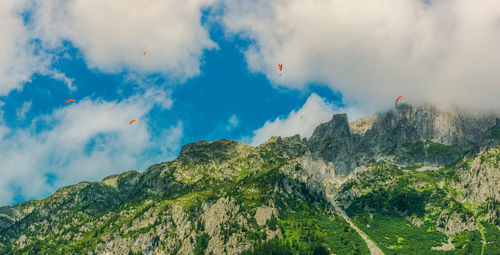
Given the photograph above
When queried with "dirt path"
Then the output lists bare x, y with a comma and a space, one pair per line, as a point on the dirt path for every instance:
374, 250
482, 229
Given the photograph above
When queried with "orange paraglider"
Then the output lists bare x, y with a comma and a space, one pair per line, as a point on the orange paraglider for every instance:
71, 100
396, 103
132, 121
145, 53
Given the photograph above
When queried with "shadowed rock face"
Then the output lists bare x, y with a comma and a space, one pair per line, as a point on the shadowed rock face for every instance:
410, 135
333, 142
426, 122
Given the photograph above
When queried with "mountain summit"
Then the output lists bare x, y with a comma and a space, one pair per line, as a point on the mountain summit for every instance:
412, 180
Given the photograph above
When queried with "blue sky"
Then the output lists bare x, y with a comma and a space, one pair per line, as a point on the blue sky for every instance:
211, 72
225, 100
203, 103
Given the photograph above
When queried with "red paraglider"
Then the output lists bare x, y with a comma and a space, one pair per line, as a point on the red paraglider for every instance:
396, 103
280, 66
71, 100
132, 121
146, 52
338, 203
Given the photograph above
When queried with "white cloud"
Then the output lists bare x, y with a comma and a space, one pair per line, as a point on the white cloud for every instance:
443, 52
160, 96
19, 57
113, 34
62, 77
17, 60
232, 122
69, 144
21, 112
303, 121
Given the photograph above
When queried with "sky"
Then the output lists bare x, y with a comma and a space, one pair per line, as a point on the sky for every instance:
211, 72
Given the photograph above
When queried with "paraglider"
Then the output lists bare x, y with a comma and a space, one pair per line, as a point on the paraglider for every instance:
71, 100
338, 203
280, 66
132, 121
145, 53
396, 103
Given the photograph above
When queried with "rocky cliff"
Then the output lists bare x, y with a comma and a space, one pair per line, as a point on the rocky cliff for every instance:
420, 135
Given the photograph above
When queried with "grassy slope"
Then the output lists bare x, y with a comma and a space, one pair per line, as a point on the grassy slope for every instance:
390, 191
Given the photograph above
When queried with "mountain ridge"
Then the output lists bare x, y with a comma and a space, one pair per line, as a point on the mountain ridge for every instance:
410, 164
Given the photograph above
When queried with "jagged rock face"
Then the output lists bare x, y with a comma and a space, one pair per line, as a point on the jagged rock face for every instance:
11, 214
157, 181
361, 125
425, 135
426, 122
333, 142
480, 177
411, 135
452, 223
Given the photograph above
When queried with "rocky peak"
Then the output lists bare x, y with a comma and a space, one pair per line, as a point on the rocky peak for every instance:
361, 125
332, 141
340, 123
426, 122
207, 152
335, 130
409, 134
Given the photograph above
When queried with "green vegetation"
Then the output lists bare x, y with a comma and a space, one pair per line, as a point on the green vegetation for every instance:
201, 244
282, 247
416, 152
467, 242
492, 235
493, 158
305, 229
396, 235
394, 197
494, 133
390, 194
271, 247
441, 150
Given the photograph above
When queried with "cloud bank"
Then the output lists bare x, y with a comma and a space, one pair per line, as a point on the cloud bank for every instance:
303, 121
442, 52
113, 34
17, 59
86, 140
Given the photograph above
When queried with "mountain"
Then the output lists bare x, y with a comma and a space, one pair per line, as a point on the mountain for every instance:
411, 180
